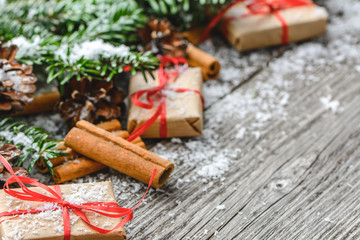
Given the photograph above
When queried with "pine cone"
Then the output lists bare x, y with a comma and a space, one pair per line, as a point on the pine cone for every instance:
9, 152
93, 101
161, 38
16, 81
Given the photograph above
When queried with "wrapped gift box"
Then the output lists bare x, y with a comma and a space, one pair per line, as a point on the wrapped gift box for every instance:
184, 110
262, 30
49, 223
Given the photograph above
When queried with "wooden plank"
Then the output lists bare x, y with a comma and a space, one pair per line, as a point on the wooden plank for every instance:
286, 166
280, 159
236, 67
293, 206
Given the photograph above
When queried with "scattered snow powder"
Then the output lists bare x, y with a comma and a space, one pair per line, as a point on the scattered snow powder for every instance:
241, 132
216, 169
18, 138
92, 50
27, 48
328, 220
220, 207
330, 105
208, 157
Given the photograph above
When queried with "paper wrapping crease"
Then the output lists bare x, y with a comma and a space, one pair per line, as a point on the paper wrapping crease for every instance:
184, 113
265, 30
50, 227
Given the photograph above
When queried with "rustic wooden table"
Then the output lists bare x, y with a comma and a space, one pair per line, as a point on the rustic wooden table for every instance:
280, 154
279, 157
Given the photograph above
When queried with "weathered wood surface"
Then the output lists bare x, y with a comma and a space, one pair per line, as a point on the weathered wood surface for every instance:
299, 180
297, 174
288, 166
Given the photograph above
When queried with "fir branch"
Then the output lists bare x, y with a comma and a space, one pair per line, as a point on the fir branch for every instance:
73, 20
183, 14
66, 24
103, 69
34, 143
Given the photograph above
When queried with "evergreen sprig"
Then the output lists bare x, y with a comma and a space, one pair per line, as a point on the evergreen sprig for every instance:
40, 145
73, 22
104, 69
182, 13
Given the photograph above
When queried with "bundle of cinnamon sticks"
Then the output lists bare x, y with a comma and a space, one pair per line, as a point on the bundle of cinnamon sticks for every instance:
113, 151
75, 165
91, 148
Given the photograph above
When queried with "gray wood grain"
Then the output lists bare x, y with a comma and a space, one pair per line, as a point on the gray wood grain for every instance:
294, 171
298, 180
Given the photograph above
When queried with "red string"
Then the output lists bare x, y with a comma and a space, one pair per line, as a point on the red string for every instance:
160, 96
217, 19
108, 209
258, 7
127, 68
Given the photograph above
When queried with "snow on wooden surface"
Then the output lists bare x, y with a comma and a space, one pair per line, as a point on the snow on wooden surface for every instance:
279, 156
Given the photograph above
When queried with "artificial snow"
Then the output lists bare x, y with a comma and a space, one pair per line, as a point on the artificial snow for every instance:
207, 159
329, 104
220, 207
19, 138
26, 47
91, 50
10, 75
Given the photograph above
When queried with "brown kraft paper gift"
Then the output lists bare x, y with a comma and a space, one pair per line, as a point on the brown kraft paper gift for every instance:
48, 225
184, 113
265, 30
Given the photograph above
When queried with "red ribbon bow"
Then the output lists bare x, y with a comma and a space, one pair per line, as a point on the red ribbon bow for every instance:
108, 209
259, 7
158, 92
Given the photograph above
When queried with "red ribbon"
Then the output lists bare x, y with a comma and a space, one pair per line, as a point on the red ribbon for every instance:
127, 68
259, 7
108, 209
158, 94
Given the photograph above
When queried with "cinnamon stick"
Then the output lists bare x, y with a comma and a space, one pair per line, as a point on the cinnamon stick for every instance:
75, 169
125, 135
115, 152
112, 125
209, 65
43, 102
139, 142
81, 166
193, 35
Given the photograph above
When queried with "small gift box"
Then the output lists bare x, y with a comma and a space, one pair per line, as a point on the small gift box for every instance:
167, 106
44, 220
254, 24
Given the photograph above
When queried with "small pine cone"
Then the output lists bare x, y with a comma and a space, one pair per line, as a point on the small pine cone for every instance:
17, 83
9, 152
161, 38
5, 175
93, 101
